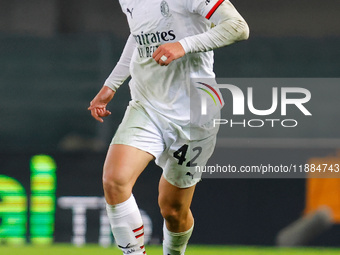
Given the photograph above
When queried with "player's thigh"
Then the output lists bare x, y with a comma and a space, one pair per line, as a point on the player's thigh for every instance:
124, 164
174, 199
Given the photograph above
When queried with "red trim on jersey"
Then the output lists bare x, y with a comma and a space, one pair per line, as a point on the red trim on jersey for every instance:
214, 9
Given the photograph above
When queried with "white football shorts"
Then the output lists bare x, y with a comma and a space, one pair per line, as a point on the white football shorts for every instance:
177, 149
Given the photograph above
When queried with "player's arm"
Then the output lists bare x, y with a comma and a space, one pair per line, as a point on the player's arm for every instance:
229, 28
122, 70
118, 75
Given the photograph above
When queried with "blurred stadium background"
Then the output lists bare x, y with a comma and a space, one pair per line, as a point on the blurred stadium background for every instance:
55, 56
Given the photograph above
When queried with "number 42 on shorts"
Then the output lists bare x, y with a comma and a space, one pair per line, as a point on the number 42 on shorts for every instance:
181, 153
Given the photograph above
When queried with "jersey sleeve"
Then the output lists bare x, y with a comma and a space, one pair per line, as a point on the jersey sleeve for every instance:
122, 69
205, 8
229, 28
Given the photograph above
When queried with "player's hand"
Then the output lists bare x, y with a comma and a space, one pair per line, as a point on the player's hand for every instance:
171, 51
98, 112
99, 103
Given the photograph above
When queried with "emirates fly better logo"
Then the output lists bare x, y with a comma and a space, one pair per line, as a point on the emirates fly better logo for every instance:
243, 103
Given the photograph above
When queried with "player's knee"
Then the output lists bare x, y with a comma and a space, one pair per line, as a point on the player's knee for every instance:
114, 181
174, 215
170, 215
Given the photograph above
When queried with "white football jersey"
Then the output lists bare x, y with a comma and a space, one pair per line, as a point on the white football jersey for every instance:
166, 89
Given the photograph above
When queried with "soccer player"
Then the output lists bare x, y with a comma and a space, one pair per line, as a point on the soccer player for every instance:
171, 42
